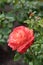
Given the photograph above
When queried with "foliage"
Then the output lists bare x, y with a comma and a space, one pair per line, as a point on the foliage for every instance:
36, 50
5, 27
27, 11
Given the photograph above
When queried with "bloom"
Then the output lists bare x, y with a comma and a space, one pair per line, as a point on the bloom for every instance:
21, 38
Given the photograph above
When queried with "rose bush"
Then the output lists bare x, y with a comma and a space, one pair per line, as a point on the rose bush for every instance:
22, 11
21, 38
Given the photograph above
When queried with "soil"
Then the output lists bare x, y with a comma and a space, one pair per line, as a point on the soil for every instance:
6, 57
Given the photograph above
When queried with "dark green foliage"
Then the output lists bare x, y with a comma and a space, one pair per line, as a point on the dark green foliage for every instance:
19, 11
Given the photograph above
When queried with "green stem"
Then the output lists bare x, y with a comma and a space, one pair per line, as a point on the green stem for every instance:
33, 54
35, 60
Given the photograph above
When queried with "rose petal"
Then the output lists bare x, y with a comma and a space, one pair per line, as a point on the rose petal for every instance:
24, 47
21, 39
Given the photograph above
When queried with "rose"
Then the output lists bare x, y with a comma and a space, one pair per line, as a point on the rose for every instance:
21, 38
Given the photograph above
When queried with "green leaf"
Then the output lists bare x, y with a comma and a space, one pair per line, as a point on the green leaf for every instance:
0, 36
10, 18
2, 41
2, 16
30, 63
16, 1
17, 57
41, 22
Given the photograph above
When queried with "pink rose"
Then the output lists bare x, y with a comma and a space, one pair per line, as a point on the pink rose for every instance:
20, 39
